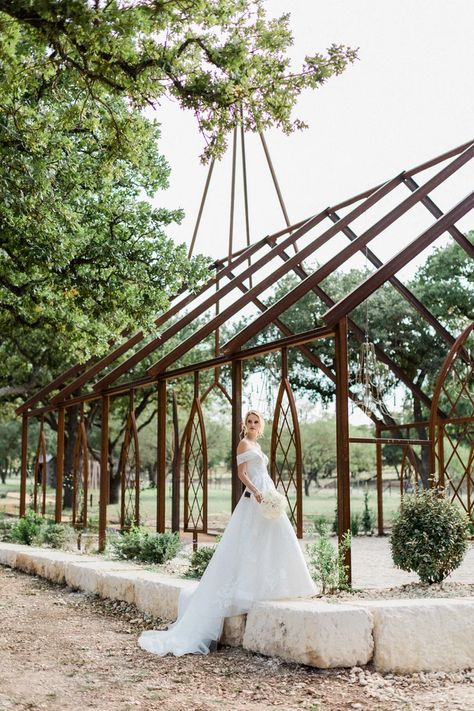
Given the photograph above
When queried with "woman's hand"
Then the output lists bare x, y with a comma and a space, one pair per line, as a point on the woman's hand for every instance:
258, 495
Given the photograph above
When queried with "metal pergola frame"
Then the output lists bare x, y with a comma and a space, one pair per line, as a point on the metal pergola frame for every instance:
103, 373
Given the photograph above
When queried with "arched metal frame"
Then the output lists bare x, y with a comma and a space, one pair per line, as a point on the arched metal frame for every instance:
454, 394
194, 445
286, 461
69, 383
129, 472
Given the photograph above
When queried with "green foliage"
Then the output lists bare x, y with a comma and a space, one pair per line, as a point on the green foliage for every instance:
326, 562
200, 559
368, 516
429, 536
142, 545
215, 58
56, 535
160, 547
355, 524
5, 527
26, 529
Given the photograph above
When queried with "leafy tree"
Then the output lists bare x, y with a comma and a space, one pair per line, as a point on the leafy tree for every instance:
217, 58
83, 256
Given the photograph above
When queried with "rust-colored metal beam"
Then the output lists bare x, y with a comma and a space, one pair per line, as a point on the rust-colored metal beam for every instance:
437, 212
359, 334
268, 281
63, 377
201, 208
104, 472
24, 463
129, 363
60, 465
393, 265
237, 485
326, 269
342, 443
401, 288
224, 315
379, 475
161, 459
383, 440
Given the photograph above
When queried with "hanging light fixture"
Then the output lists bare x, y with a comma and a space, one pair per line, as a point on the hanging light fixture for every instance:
369, 378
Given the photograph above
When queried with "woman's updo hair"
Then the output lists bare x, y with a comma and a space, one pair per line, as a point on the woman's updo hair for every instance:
258, 414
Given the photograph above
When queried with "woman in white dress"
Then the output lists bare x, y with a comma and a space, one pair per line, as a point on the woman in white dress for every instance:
256, 559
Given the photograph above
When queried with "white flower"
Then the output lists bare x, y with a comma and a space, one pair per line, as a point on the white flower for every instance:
273, 504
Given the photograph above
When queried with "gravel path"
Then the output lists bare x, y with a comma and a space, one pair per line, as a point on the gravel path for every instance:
373, 567
64, 650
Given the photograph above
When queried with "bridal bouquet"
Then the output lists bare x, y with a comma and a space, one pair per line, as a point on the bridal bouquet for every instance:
273, 504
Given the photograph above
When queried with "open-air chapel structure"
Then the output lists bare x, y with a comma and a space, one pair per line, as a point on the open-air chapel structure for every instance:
236, 281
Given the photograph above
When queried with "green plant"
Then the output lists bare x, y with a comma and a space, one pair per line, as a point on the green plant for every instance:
56, 535
319, 520
429, 536
127, 545
27, 528
355, 524
326, 562
5, 527
200, 559
159, 547
140, 544
335, 521
368, 516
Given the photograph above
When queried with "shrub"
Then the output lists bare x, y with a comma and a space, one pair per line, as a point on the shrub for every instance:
355, 524
140, 544
56, 535
326, 563
429, 536
200, 559
368, 516
5, 527
159, 547
127, 545
27, 528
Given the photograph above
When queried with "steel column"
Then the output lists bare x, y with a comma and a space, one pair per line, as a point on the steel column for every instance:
60, 464
24, 463
104, 472
237, 485
342, 430
176, 467
378, 454
161, 458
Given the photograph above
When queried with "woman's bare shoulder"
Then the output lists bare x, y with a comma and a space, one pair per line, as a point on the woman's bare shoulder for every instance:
243, 446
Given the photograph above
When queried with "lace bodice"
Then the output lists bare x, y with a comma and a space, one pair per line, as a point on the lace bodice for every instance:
256, 468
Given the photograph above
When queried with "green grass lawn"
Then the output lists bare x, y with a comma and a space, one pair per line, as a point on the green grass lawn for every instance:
320, 502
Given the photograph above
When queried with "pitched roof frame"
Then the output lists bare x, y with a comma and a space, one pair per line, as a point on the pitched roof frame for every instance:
271, 314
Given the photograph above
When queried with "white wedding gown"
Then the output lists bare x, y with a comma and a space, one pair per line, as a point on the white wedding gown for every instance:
256, 559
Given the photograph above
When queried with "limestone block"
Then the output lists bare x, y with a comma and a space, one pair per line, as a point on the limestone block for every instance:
310, 632
117, 585
158, 594
412, 635
8, 553
233, 632
85, 573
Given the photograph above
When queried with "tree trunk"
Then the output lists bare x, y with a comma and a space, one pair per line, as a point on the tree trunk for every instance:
114, 474
71, 429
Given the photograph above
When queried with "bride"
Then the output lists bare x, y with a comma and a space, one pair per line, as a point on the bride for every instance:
256, 559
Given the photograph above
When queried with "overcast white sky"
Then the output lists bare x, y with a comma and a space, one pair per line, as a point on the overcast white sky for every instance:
409, 97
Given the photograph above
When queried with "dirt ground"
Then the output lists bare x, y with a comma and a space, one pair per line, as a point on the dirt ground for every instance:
65, 650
